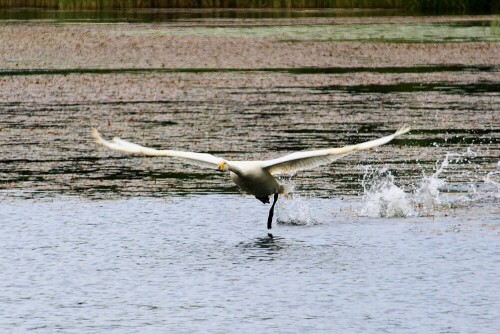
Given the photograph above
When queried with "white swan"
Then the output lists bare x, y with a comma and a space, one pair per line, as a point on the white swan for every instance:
253, 177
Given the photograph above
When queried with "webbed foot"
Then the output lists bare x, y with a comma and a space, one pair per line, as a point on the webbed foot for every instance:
264, 200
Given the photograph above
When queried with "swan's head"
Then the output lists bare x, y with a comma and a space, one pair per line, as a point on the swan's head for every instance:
222, 166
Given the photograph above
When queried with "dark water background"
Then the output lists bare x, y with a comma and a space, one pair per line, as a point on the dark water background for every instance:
47, 148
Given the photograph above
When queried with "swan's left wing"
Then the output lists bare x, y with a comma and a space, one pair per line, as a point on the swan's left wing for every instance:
117, 144
292, 163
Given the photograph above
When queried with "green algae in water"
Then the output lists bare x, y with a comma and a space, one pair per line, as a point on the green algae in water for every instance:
390, 33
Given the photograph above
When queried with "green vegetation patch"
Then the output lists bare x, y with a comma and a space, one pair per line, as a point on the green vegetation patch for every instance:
389, 33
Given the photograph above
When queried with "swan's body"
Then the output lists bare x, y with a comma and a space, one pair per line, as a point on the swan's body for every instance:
250, 177
254, 177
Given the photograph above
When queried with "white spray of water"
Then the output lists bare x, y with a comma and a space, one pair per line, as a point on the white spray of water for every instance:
427, 195
293, 209
383, 198
492, 181
488, 190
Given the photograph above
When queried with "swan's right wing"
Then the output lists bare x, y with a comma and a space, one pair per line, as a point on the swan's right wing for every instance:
292, 163
117, 144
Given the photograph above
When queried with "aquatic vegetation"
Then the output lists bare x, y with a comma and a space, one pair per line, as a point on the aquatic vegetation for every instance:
378, 33
495, 27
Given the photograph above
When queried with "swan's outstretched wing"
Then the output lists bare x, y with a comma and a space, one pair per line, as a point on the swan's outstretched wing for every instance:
117, 144
292, 163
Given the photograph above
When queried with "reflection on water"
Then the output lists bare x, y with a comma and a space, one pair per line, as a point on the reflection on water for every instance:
493, 87
294, 70
264, 248
148, 15
166, 15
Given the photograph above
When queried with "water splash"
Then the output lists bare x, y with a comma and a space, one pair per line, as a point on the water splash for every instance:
294, 209
384, 198
489, 190
492, 182
426, 197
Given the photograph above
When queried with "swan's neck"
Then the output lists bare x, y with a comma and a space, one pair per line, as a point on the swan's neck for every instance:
233, 168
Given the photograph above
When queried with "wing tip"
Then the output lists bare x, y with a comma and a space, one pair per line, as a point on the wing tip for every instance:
402, 130
97, 136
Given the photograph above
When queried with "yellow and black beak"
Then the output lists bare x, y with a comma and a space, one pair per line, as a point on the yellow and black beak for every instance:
221, 166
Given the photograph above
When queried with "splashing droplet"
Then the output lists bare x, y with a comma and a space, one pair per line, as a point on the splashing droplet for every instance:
294, 209
382, 197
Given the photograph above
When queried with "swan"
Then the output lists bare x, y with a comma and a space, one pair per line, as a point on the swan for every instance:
253, 177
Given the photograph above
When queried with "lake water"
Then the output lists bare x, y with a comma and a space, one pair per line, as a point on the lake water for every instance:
204, 264
400, 239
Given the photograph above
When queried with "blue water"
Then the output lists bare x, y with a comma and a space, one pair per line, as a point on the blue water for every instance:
204, 264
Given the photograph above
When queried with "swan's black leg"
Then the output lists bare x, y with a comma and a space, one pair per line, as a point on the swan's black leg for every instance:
271, 214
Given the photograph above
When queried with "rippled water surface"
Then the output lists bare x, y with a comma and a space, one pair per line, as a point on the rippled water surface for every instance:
403, 238
203, 263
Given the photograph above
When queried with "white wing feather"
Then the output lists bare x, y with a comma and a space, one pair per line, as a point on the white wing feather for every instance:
117, 144
292, 163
